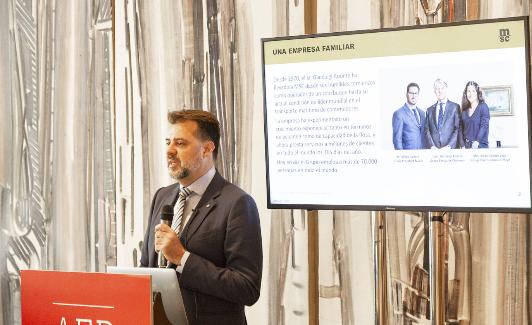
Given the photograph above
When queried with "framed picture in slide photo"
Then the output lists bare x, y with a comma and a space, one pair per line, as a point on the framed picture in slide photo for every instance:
498, 99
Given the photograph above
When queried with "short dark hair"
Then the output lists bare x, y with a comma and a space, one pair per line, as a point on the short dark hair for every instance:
208, 125
412, 84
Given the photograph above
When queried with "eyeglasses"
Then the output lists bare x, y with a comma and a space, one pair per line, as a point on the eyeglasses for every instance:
411, 93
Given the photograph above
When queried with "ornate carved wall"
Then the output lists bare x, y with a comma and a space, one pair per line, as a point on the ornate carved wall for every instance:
56, 121
83, 150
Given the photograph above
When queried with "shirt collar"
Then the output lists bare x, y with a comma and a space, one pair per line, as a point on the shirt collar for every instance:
200, 185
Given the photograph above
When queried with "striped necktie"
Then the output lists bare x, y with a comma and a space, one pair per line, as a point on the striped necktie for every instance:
416, 116
440, 116
177, 223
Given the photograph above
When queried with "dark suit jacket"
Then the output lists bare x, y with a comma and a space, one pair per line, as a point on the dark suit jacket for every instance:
448, 134
407, 132
224, 269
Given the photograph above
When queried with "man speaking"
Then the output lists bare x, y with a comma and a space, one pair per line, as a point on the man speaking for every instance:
214, 241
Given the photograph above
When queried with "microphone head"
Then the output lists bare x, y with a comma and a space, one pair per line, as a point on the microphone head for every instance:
167, 212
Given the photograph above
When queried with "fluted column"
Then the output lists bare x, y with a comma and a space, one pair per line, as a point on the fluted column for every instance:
498, 268
70, 225
163, 71
5, 123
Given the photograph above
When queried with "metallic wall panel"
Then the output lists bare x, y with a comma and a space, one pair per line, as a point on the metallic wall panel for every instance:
288, 271
161, 80
5, 164
56, 136
346, 271
170, 56
71, 154
499, 266
70, 119
485, 255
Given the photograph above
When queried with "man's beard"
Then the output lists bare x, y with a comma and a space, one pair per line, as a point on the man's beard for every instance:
184, 169
180, 173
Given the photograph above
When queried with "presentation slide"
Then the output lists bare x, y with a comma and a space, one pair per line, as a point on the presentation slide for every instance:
432, 119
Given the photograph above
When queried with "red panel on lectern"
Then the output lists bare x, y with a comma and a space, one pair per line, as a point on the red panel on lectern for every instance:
64, 298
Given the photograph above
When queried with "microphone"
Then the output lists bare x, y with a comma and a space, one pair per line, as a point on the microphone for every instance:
167, 214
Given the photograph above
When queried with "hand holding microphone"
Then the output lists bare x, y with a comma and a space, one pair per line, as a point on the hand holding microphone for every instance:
167, 214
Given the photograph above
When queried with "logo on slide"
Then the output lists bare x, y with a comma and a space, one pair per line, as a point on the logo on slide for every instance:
504, 35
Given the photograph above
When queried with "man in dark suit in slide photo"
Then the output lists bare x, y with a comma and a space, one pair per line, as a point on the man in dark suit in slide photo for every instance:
408, 122
443, 120
214, 242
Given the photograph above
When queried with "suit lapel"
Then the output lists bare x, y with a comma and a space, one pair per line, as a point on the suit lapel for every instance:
170, 199
203, 208
422, 116
174, 195
418, 111
447, 112
434, 110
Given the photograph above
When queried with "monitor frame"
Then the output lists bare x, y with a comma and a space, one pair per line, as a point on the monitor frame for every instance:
394, 207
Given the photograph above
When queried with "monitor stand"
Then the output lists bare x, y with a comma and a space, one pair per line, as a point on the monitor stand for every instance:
437, 267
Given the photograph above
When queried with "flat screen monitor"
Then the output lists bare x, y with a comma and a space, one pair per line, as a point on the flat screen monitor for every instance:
165, 282
424, 118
